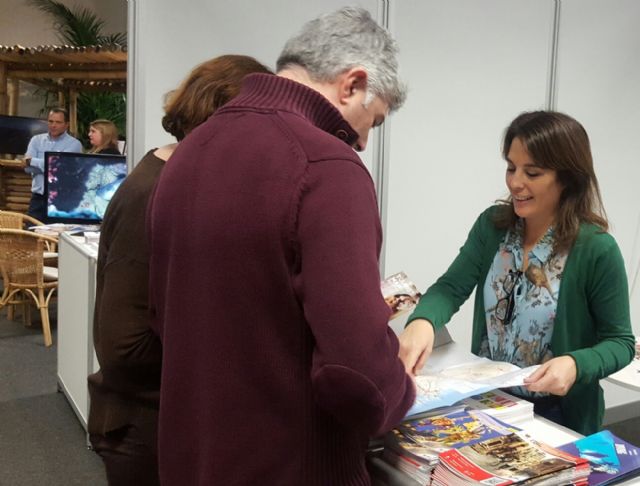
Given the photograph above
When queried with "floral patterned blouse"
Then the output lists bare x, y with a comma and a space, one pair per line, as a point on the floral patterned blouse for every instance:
520, 307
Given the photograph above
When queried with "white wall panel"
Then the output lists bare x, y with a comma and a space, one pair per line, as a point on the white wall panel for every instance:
172, 37
599, 84
471, 68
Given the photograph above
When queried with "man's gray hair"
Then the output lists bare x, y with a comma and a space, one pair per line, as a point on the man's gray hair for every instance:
347, 38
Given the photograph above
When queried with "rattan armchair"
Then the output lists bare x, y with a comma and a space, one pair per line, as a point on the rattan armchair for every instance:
15, 220
24, 273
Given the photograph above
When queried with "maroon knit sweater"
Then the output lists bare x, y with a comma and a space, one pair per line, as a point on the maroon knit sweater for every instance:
278, 362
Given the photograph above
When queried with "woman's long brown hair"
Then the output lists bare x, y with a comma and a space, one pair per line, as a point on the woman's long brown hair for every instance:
556, 141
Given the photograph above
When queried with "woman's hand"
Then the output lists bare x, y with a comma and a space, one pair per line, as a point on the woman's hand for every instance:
556, 376
416, 344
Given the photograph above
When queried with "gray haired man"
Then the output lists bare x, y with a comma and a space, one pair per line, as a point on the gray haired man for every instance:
278, 361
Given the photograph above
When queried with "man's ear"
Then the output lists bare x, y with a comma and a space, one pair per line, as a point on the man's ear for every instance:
351, 81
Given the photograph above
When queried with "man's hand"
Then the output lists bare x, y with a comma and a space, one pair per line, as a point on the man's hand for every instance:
556, 376
25, 161
416, 344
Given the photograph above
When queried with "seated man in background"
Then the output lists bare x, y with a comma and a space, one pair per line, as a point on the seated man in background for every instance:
57, 139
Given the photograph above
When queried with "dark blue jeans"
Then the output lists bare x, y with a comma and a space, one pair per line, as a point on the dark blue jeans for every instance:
38, 207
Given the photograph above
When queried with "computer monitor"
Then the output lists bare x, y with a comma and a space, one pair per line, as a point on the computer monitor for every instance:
78, 187
16, 132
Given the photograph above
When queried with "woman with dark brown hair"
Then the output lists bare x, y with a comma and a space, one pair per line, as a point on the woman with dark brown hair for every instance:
551, 285
125, 391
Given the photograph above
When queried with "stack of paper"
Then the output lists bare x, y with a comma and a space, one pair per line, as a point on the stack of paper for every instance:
502, 406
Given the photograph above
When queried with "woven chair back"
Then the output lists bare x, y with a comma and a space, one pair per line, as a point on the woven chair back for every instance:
21, 258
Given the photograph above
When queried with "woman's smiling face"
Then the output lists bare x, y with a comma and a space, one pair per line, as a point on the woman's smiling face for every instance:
535, 190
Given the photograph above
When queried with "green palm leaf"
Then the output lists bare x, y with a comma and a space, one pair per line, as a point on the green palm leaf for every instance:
77, 27
81, 27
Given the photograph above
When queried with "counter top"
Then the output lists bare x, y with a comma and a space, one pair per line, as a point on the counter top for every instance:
629, 376
89, 249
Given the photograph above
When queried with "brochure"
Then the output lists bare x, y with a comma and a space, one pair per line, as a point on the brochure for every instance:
612, 459
400, 294
455, 383
509, 459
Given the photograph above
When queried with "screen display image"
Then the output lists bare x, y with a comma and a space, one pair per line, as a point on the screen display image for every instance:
16, 132
79, 187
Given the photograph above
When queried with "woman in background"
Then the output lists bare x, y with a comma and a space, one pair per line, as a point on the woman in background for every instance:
103, 136
125, 391
551, 284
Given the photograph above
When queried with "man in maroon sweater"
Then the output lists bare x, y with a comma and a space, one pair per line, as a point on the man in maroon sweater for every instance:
278, 362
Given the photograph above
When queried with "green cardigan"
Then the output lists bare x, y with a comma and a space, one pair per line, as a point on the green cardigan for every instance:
592, 320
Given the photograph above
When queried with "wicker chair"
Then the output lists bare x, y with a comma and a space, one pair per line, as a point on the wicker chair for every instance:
24, 273
15, 220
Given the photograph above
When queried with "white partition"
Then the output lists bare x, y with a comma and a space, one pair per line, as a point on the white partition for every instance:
170, 38
599, 84
472, 67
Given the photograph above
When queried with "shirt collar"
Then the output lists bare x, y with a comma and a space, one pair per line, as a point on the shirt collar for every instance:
542, 249
276, 92
62, 136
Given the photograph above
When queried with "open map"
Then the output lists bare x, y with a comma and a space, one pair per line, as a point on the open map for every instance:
441, 388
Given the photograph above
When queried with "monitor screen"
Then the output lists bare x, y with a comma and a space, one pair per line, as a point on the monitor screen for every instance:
16, 131
78, 187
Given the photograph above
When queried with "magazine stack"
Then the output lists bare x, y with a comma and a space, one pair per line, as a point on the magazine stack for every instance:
514, 458
612, 459
415, 460
501, 405
414, 447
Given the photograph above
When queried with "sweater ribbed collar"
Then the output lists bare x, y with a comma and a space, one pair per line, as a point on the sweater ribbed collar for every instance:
275, 92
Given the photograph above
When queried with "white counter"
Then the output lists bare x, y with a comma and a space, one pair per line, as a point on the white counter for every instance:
629, 377
76, 297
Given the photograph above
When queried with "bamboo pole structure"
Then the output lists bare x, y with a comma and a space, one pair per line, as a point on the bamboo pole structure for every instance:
27, 74
14, 96
73, 111
3, 88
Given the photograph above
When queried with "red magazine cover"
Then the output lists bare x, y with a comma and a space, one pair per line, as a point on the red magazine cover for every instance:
511, 459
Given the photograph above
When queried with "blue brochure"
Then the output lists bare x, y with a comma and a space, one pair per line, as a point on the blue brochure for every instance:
612, 459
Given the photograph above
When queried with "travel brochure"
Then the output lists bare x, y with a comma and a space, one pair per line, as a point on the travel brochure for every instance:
415, 445
456, 383
612, 459
514, 458
54, 229
400, 294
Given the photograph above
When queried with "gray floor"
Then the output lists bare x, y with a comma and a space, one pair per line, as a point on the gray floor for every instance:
41, 440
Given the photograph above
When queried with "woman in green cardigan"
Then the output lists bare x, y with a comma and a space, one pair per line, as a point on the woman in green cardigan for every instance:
551, 284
